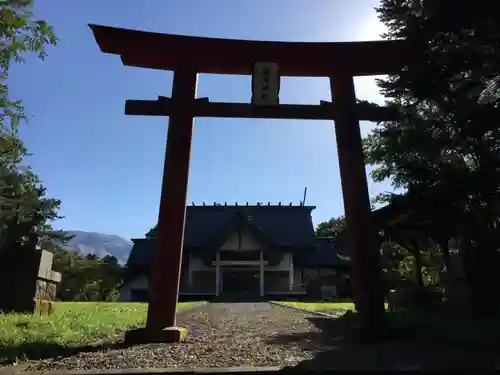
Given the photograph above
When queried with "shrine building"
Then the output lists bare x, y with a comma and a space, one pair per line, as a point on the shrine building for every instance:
243, 252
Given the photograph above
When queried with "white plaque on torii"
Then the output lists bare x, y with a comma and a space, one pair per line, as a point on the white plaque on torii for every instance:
265, 84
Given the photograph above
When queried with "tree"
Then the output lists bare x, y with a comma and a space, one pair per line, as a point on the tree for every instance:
444, 147
112, 274
87, 277
331, 228
20, 33
24, 208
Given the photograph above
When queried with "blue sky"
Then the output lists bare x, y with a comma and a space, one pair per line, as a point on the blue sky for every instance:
107, 167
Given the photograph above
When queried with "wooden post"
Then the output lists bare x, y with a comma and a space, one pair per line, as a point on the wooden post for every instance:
261, 274
166, 265
217, 274
190, 273
361, 236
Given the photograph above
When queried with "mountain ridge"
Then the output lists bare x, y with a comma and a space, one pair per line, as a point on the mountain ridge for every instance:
99, 244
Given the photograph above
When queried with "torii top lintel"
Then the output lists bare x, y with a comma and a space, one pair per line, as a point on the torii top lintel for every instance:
230, 56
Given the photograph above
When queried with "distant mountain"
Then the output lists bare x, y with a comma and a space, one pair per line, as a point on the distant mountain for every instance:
99, 244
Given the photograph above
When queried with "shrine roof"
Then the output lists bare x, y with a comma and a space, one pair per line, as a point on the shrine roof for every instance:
284, 226
232, 56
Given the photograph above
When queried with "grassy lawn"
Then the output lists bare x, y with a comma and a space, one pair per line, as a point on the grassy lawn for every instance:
463, 330
27, 336
447, 328
327, 307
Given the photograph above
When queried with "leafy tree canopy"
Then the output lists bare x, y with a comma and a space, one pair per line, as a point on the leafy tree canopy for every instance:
331, 228
445, 145
24, 207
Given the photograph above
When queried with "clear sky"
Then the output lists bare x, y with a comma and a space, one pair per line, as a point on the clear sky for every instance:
107, 167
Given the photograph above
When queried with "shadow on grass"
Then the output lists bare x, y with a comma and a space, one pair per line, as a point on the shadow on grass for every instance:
339, 346
39, 350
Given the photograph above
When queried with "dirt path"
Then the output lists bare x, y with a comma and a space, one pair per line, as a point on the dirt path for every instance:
261, 334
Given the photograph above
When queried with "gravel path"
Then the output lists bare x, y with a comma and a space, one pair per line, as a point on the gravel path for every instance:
261, 334
219, 335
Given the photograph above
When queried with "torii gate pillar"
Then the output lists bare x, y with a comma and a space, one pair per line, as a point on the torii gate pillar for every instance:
187, 56
166, 266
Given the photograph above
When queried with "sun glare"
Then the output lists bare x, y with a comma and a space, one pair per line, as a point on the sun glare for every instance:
372, 29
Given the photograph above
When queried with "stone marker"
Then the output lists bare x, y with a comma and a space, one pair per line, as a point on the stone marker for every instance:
27, 282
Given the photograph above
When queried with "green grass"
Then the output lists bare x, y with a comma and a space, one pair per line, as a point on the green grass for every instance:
448, 328
26, 336
457, 329
327, 307
321, 306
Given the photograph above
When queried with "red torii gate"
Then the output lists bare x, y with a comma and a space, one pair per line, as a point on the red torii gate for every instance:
187, 56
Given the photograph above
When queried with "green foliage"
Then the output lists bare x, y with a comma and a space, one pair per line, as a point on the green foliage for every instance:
87, 278
24, 208
444, 144
20, 34
444, 147
331, 228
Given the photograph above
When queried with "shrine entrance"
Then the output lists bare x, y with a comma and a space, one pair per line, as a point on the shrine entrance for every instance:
240, 284
266, 62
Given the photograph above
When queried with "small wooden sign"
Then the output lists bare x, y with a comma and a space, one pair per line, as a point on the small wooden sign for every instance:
265, 83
